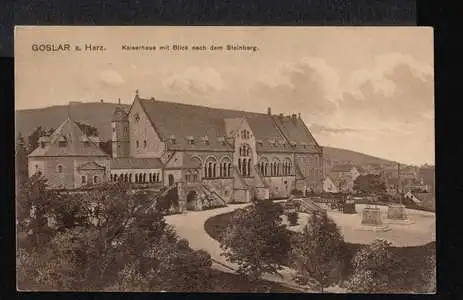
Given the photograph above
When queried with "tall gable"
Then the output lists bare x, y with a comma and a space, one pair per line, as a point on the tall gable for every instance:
68, 140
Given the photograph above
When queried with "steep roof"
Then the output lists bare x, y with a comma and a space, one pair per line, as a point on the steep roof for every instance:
73, 143
184, 120
135, 163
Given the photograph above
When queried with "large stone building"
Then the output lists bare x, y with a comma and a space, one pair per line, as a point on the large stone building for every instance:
236, 155
69, 159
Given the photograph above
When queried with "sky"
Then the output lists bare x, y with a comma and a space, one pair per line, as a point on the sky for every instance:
367, 89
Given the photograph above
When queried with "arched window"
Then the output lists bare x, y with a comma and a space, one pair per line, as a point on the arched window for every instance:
210, 167
130, 178
276, 167
225, 167
287, 167
59, 168
244, 162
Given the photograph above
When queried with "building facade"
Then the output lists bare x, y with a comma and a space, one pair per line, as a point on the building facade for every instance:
234, 155
69, 159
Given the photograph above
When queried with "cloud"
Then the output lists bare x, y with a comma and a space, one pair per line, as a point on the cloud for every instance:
195, 81
317, 128
111, 78
396, 87
310, 84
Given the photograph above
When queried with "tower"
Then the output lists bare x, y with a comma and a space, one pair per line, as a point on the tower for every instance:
120, 133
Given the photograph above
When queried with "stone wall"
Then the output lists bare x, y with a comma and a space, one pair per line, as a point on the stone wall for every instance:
141, 131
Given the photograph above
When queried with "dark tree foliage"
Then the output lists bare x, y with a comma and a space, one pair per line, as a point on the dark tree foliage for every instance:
88, 129
370, 184
256, 239
21, 160
104, 239
107, 147
33, 138
317, 253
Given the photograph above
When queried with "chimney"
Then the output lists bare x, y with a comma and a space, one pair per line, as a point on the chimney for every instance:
101, 100
119, 101
299, 115
269, 111
281, 116
152, 99
293, 116
136, 94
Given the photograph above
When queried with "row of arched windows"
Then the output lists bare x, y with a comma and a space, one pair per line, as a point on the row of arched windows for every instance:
276, 167
212, 169
137, 178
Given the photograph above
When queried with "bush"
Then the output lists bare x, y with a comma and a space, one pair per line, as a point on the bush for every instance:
318, 252
256, 239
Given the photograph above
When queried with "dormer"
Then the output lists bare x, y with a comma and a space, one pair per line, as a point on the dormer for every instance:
43, 141
190, 140
221, 140
292, 143
85, 140
62, 141
260, 142
205, 140
172, 139
272, 142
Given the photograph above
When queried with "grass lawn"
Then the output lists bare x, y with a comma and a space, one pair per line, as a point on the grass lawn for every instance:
407, 265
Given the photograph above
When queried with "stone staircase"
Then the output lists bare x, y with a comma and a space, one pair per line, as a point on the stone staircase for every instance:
308, 206
212, 198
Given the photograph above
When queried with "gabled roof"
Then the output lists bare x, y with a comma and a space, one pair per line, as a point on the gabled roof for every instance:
184, 120
73, 143
135, 163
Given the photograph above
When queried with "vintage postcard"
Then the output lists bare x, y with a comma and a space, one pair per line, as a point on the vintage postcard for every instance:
225, 159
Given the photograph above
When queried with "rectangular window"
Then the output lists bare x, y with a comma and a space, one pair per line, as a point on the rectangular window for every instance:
95, 179
83, 179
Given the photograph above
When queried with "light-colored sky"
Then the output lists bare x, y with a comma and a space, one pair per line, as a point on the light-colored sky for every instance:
368, 89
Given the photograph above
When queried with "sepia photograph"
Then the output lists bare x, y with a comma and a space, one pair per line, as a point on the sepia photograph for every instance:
225, 159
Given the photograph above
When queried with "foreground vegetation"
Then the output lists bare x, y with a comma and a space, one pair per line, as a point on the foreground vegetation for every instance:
321, 257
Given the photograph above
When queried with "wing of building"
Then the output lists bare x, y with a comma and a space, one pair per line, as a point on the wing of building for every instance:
69, 159
239, 155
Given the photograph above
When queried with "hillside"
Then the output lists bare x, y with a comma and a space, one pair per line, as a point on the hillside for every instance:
96, 114
356, 158
100, 114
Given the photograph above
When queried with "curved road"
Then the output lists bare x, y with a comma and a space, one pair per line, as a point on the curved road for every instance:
191, 227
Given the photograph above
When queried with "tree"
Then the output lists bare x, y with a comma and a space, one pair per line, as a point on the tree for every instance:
107, 147
33, 138
104, 238
21, 160
372, 266
318, 252
370, 184
88, 129
256, 239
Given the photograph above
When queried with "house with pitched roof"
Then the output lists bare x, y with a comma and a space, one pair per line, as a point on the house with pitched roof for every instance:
239, 155
343, 176
69, 159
